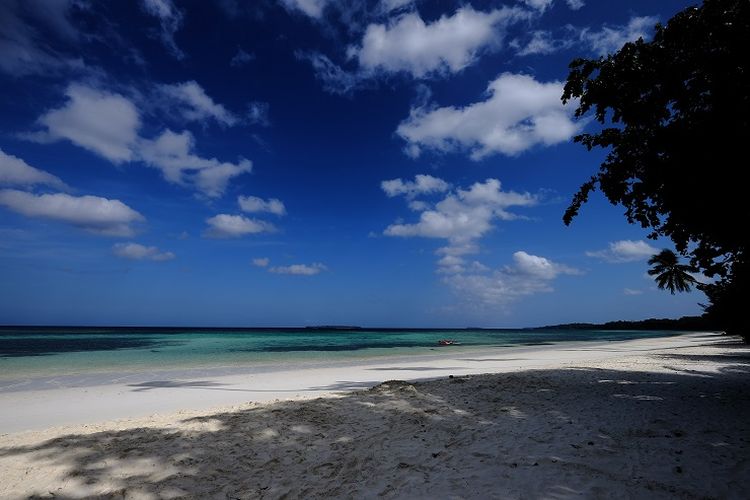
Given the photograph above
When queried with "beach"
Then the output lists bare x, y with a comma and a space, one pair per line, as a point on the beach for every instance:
647, 418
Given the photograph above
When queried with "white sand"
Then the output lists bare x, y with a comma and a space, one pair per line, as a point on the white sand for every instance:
649, 418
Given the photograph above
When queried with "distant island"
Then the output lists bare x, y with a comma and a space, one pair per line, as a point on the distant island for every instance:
687, 323
692, 323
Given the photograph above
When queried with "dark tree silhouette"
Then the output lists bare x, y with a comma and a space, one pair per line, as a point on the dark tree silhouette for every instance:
669, 273
675, 115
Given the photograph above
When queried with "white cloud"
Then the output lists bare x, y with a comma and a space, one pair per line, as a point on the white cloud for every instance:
253, 204
91, 213
312, 8
170, 19
625, 251
632, 291
333, 78
172, 153
462, 218
447, 45
575, 4
235, 226
459, 249
16, 172
104, 123
108, 124
528, 275
241, 58
22, 49
519, 113
295, 269
136, 251
612, 38
540, 5
541, 42
465, 215
418, 205
299, 269
192, 102
538, 267
422, 184
391, 5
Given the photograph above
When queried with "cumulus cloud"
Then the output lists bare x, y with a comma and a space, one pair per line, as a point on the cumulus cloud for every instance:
447, 45
261, 261
108, 124
192, 102
541, 42
465, 215
540, 5
172, 153
519, 113
575, 4
235, 226
253, 204
538, 267
462, 218
527, 275
299, 269
422, 184
91, 213
170, 20
418, 205
16, 172
104, 123
612, 38
136, 251
624, 251
312, 8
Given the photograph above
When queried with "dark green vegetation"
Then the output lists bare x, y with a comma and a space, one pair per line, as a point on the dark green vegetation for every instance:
685, 323
675, 118
670, 274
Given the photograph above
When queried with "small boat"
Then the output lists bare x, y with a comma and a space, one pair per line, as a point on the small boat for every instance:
447, 342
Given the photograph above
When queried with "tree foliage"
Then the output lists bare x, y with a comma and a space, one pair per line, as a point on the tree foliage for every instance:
675, 116
669, 273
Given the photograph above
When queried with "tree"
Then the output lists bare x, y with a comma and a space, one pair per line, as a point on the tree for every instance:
675, 116
670, 274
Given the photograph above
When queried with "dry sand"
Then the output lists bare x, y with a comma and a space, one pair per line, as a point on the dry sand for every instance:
657, 418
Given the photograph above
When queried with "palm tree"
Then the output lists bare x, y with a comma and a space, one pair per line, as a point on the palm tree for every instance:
670, 274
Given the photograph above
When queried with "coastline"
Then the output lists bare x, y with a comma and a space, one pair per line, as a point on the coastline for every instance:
101, 397
630, 419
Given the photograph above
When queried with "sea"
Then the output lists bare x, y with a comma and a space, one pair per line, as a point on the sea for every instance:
54, 353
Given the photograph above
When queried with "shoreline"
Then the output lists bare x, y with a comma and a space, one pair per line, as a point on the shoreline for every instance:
652, 418
141, 393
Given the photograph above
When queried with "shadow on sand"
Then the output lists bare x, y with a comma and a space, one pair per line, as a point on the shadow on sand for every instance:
544, 433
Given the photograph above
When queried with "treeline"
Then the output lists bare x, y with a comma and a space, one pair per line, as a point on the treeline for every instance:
684, 323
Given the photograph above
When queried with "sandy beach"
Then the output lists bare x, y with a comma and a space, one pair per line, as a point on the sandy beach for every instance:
651, 418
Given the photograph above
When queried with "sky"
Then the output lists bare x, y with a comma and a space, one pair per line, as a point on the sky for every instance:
379, 163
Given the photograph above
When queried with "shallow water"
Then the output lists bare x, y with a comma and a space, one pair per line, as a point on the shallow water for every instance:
27, 352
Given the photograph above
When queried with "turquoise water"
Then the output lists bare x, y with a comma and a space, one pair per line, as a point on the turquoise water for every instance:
29, 352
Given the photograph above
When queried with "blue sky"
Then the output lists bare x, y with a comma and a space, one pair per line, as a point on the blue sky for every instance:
302, 162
